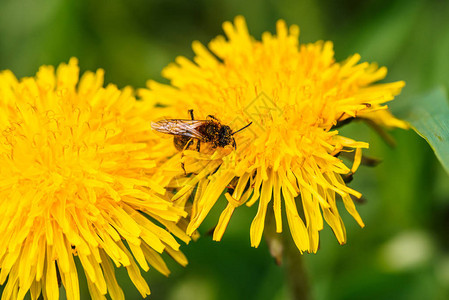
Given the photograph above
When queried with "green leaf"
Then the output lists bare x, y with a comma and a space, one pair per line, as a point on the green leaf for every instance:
429, 117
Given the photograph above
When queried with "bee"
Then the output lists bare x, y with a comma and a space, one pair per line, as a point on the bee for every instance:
186, 132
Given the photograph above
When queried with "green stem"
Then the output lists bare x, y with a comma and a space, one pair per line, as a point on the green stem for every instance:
296, 271
284, 251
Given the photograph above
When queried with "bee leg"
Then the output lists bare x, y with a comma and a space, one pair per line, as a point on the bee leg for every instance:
198, 146
183, 168
189, 143
191, 114
234, 144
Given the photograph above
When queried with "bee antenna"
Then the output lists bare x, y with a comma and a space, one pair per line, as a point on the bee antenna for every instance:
241, 128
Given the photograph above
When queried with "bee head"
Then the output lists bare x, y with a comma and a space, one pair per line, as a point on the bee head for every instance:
224, 136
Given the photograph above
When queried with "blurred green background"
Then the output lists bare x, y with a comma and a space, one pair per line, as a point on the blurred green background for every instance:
402, 253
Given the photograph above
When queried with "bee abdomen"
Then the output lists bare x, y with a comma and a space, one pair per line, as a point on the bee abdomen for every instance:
181, 141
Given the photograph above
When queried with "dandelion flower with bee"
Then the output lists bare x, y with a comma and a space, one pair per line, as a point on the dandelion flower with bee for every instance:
75, 183
294, 95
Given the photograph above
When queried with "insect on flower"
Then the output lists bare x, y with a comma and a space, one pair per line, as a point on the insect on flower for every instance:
186, 132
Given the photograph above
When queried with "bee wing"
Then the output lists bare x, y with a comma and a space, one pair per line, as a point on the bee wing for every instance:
179, 127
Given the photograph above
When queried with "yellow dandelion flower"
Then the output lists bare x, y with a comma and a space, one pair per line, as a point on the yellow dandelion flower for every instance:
294, 95
77, 160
